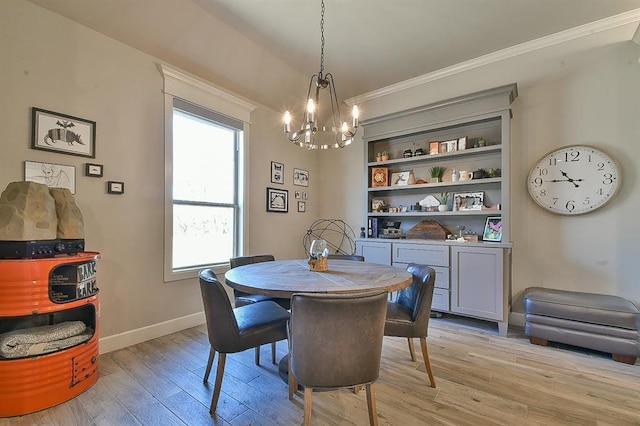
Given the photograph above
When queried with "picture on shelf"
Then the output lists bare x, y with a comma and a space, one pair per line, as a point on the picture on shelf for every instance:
400, 178
434, 147
493, 229
468, 201
379, 177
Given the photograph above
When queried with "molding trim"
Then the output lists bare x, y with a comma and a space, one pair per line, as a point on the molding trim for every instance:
510, 52
132, 337
180, 85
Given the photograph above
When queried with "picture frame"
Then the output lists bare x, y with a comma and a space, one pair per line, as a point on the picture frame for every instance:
50, 174
297, 194
379, 177
468, 201
93, 170
277, 173
493, 229
62, 133
304, 195
462, 143
277, 200
400, 178
115, 187
302, 206
300, 177
452, 145
434, 147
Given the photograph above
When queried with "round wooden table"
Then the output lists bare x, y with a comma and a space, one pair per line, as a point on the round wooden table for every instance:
283, 278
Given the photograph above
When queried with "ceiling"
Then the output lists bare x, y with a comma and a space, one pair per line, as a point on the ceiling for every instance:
264, 49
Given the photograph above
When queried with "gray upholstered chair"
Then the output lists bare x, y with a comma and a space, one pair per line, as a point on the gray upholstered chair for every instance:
336, 341
408, 315
235, 330
243, 299
346, 257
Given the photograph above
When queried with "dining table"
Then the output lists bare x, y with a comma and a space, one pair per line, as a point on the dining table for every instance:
284, 278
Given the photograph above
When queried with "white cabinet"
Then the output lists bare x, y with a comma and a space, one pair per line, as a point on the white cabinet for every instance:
375, 252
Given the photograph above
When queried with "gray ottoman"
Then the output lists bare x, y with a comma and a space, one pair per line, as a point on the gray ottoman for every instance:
594, 321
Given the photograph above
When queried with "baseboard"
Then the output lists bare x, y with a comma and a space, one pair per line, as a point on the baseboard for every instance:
139, 335
517, 319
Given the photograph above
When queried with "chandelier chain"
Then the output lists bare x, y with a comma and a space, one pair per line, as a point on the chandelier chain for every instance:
322, 41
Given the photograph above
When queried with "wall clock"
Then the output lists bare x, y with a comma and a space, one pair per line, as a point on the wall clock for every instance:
574, 180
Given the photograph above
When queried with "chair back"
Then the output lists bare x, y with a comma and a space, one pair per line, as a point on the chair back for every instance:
222, 326
336, 340
234, 262
346, 257
419, 295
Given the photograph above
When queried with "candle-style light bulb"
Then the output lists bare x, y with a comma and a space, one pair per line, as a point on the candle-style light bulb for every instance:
311, 107
287, 122
356, 115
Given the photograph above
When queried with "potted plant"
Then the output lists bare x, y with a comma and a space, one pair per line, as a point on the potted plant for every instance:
436, 173
385, 155
379, 157
444, 199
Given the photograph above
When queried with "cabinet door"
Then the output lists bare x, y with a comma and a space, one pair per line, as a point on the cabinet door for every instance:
477, 282
425, 254
374, 251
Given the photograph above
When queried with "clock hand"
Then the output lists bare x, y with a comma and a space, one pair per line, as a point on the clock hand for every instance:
573, 181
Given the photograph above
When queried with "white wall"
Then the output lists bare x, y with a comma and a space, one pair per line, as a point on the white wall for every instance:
55, 64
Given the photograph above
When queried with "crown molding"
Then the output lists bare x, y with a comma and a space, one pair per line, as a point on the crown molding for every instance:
585, 30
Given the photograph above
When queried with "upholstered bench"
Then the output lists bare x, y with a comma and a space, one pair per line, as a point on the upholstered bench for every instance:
594, 321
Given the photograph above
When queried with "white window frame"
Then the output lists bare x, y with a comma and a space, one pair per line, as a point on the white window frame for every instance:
179, 85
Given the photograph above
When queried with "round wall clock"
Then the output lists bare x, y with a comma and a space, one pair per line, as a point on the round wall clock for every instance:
574, 180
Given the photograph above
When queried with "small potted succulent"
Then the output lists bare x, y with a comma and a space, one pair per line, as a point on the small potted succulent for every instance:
379, 157
444, 200
436, 173
385, 155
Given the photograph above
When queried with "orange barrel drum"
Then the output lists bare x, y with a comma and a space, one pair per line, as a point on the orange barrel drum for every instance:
45, 292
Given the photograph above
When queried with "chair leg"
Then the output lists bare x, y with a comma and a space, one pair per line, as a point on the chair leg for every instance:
371, 404
212, 354
427, 364
412, 349
308, 392
257, 360
216, 389
293, 383
273, 353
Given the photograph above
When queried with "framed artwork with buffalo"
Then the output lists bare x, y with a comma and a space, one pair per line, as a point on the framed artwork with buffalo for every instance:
65, 134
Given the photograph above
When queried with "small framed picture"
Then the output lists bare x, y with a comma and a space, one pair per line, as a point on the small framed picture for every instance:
379, 177
114, 187
277, 172
65, 134
400, 178
302, 206
277, 200
52, 175
462, 143
468, 201
493, 229
297, 194
304, 195
452, 145
300, 177
434, 147
93, 170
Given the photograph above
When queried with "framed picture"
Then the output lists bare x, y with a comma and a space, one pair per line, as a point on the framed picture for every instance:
93, 170
300, 177
277, 172
114, 187
462, 143
379, 177
52, 131
451, 145
52, 175
302, 206
468, 201
277, 200
434, 147
400, 178
297, 194
304, 195
493, 229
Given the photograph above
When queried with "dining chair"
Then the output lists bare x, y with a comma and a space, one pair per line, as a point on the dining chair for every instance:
235, 330
243, 299
408, 314
346, 257
335, 341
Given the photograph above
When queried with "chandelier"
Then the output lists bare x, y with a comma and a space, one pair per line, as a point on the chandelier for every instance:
318, 130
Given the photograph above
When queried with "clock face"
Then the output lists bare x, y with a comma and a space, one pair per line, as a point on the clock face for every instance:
574, 180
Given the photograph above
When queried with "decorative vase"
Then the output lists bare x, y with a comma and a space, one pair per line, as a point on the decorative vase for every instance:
443, 208
412, 179
434, 180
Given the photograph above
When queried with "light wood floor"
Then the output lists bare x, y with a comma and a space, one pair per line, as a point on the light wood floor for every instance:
482, 379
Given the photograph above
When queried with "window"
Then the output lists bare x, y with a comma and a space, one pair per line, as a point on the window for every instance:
204, 176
